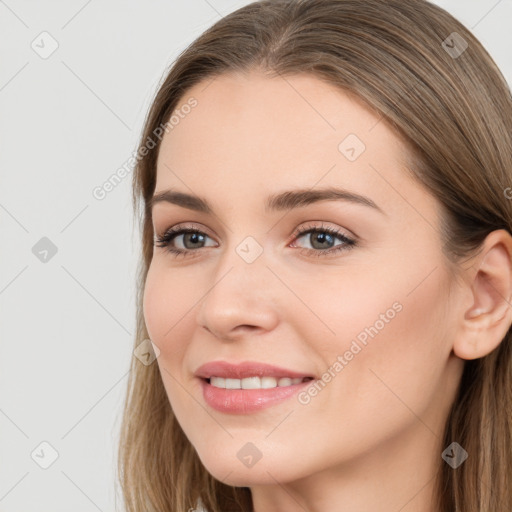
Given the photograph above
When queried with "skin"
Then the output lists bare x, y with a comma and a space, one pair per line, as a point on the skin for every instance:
371, 439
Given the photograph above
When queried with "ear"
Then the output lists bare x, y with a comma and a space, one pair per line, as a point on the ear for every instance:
489, 286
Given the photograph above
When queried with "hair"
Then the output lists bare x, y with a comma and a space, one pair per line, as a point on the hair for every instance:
454, 114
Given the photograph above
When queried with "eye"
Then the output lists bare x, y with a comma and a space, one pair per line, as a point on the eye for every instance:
190, 236
320, 236
321, 239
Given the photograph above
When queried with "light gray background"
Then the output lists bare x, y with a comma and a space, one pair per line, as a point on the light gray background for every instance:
67, 123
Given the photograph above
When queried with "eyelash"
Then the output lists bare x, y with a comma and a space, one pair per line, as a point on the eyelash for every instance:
348, 243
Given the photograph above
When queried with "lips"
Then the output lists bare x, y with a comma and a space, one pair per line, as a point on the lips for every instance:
249, 386
246, 369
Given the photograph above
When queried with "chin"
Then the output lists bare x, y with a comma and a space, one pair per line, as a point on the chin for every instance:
231, 471
243, 477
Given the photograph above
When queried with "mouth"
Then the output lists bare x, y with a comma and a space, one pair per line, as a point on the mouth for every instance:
249, 386
255, 382
249, 375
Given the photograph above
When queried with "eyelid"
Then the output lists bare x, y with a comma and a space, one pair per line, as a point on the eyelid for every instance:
298, 231
185, 225
303, 229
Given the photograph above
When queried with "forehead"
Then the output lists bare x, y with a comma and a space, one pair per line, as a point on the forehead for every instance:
249, 133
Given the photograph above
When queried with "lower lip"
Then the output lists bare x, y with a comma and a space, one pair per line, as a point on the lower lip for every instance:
243, 401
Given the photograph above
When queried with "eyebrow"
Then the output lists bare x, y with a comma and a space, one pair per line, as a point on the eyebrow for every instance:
282, 201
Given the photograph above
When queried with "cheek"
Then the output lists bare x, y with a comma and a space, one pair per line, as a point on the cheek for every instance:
166, 304
346, 310
165, 310
393, 339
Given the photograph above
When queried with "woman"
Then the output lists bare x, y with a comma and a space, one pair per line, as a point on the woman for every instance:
326, 271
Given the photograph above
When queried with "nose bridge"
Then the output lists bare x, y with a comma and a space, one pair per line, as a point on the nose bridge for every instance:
239, 292
242, 266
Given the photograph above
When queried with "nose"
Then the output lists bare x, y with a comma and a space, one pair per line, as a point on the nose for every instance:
240, 300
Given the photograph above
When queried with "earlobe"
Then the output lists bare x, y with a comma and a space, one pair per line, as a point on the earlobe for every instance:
488, 318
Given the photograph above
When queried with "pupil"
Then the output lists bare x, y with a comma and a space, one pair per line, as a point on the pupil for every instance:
194, 237
322, 237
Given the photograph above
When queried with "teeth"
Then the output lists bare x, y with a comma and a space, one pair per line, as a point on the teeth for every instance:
218, 382
268, 382
254, 382
233, 384
251, 383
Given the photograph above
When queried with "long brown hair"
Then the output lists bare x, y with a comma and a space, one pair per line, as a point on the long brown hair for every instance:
453, 108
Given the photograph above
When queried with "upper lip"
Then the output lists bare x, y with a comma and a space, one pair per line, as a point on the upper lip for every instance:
245, 369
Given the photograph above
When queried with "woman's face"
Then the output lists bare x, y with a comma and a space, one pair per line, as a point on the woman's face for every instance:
366, 313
